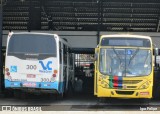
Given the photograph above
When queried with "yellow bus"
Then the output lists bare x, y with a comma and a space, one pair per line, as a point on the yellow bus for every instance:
124, 67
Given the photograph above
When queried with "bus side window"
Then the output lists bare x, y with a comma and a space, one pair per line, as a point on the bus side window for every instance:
70, 58
65, 54
60, 53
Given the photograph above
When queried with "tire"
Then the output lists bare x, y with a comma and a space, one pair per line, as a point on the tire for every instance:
8, 93
157, 93
17, 93
51, 96
106, 100
60, 96
146, 101
101, 100
23, 95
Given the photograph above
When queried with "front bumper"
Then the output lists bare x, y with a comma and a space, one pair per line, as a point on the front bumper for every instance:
46, 86
122, 93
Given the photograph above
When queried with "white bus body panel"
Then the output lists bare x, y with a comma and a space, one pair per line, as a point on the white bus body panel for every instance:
34, 73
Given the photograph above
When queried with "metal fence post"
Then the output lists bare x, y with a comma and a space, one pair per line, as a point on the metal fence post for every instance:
1, 63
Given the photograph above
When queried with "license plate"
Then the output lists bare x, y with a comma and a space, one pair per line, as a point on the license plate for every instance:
29, 84
31, 76
144, 93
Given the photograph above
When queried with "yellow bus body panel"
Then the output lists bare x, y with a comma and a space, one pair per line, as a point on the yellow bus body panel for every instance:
132, 87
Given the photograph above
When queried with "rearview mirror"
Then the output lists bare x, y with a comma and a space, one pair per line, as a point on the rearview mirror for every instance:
156, 51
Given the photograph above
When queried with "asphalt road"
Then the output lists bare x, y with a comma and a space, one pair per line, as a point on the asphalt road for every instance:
79, 102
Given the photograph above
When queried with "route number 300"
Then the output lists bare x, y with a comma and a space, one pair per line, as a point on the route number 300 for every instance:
31, 67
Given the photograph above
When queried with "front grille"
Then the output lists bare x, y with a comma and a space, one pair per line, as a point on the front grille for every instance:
131, 81
131, 87
125, 92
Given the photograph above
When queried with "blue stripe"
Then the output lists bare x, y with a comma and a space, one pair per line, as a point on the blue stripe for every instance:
120, 81
42, 85
119, 85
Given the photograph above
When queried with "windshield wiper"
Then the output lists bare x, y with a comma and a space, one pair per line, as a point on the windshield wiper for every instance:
117, 54
135, 53
146, 58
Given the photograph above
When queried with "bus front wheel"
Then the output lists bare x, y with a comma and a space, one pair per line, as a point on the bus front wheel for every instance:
157, 93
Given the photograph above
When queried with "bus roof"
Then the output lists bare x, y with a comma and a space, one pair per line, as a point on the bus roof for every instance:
33, 33
125, 35
55, 36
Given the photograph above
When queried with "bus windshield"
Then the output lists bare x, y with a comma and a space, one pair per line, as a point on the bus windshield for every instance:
32, 44
125, 62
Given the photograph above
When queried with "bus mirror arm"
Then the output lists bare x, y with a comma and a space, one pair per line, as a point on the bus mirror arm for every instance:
95, 56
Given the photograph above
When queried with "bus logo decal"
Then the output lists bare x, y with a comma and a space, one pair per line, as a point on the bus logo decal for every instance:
46, 67
13, 68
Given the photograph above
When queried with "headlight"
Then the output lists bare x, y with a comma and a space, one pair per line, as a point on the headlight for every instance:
145, 85
104, 84
102, 81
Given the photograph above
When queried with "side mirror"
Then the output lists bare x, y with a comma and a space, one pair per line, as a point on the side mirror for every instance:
95, 56
156, 51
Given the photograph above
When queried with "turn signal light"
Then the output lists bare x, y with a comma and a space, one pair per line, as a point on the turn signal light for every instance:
8, 73
55, 71
54, 75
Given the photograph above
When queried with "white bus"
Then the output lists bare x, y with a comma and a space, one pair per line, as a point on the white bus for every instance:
37, 62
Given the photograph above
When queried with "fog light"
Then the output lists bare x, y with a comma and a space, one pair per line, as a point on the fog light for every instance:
143, 86
55, 71
7, 69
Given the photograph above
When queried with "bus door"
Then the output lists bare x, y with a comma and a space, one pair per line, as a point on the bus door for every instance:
64, 66
72, 67
67, 68
61, 66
